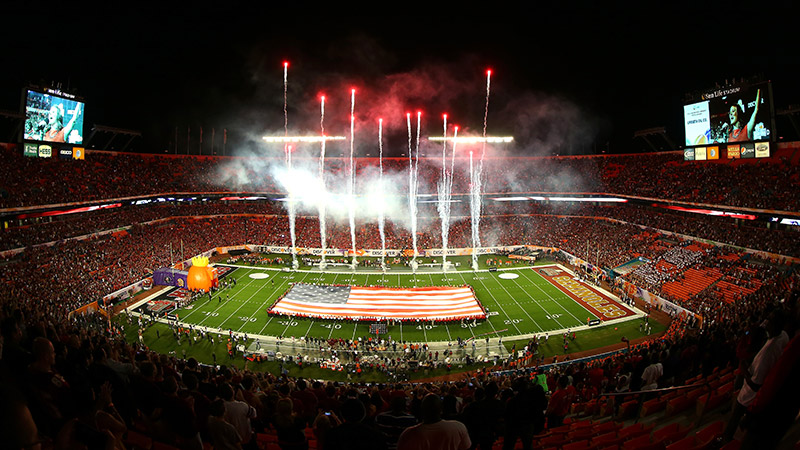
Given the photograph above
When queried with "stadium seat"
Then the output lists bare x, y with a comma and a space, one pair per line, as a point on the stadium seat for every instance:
581, 424
714, 399
678, 405
264, 439
577, 435
603, 440
607, 427
627, 410
578, 445
554, 441
652, 406
686, 443
706, 437
591, 408
669, 434
635, 430
641, 443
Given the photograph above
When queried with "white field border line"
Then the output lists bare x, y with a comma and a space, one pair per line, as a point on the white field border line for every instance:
242, 305
436, 344
499, 305
553, 300
487, 317
270, 317
219, 293
265, 302
147, 299
220, 304
430, 275
523, 308
291, 318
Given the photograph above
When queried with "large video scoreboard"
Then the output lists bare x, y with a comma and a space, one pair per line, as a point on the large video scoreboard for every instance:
731, 122
53, 116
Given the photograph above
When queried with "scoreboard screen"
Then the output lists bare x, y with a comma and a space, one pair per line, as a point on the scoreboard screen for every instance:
732, 114
52, 118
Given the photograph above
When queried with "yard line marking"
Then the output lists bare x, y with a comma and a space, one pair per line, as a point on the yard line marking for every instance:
498, 304
277, 288
559, 303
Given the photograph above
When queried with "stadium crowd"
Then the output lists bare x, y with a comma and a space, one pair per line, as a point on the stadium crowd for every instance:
75, 382
758, 183
69, 381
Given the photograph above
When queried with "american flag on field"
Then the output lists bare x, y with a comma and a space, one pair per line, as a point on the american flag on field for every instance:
354, 302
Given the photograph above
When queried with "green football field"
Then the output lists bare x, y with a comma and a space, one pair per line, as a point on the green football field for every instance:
526, 305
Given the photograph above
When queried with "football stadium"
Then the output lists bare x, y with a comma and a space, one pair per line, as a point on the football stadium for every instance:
340, 263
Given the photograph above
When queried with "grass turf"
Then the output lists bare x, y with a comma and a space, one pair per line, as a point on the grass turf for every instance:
525, 305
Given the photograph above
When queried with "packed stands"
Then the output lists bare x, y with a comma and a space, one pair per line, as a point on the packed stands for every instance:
67, 381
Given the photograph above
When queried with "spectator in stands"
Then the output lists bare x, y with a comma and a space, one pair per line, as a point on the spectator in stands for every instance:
223, 435
652, 373
777, 403
484, 416
762, 363
560, 403
290, 426
353, 433
434, 432
524, 413
307, 399
238, 414
17, 426
392, 423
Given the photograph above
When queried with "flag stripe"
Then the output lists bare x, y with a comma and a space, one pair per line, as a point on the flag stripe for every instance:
438, 302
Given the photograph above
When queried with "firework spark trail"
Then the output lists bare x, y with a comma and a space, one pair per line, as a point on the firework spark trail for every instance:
448, 197
441, 191
411, 194
288, 153
416, 186
381, 219
477, 181
322, 224
351, 184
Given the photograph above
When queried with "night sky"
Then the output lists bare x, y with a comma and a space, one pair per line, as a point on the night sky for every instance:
570, 81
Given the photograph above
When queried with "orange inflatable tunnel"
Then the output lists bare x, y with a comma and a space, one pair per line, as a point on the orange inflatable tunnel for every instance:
201, 277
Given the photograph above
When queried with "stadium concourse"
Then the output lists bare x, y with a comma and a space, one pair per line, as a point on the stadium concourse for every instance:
68, 380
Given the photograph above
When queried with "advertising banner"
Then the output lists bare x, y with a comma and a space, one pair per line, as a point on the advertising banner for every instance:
712, 152
762, 149
734, 151
688, 154
45, 151
31, 150
748, 151
700, 154
78, 152
65, 153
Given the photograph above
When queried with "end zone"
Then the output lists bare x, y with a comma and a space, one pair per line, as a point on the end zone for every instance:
597, 302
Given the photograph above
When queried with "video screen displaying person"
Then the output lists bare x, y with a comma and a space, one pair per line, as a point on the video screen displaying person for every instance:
741, 115
738, 122
53, 119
